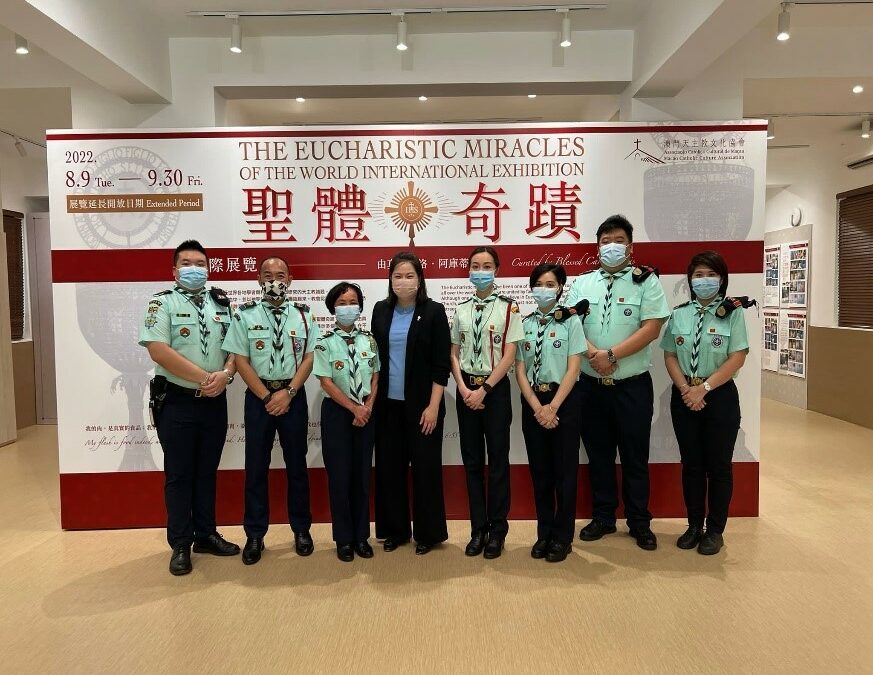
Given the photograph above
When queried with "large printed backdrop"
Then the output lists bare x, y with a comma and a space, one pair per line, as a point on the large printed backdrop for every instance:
337, 203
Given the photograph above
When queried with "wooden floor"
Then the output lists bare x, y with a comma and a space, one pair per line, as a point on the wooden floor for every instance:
790, 593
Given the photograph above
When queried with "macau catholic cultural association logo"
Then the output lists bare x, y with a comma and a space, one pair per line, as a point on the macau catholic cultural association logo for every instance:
412, 210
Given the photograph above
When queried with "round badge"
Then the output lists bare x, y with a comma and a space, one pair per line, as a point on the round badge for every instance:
184, 332
298, 345
497, 339
527, 346
717, 341
372, 363
339, 365
463, 337
721, 311
628, 311
556, 344
680, 340
259, 344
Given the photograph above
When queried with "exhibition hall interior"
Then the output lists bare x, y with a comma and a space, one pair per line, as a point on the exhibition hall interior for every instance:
496, 336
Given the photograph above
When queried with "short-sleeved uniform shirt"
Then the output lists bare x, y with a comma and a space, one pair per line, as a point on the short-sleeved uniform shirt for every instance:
616, 312
193, 324
339, 355
722, 333
273, 339
483, 328
547, 345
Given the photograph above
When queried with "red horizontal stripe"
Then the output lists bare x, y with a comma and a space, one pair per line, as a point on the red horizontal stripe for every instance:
75, 266
137, 497
332, 132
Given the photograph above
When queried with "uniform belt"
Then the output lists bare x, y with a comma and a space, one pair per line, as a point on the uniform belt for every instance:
544, 387
276, 385
611, 381
475, 380
694, 381
185, 391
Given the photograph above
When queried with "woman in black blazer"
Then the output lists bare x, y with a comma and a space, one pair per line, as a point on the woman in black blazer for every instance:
412, 333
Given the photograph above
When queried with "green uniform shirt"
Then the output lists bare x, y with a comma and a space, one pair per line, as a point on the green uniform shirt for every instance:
719, 336
483, 328
547, 345
334, 359
174, 318
274, 348
617, 315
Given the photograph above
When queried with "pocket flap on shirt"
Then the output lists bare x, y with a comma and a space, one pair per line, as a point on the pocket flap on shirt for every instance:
260, 334
177, 320
722, 328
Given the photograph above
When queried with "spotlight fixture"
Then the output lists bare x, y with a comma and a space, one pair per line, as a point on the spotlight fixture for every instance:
21, 46
565, 27
235, 34
22, 151
402, 44
784, 23
422, 98
531, 95
771, 129
300, 99
865, 128
857, 89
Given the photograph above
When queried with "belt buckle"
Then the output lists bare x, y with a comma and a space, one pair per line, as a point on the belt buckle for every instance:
607, 381
478, 380
275, 385
543, 388
198, 393
696, 381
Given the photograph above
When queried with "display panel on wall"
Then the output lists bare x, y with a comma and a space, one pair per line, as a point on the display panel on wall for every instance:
337, 203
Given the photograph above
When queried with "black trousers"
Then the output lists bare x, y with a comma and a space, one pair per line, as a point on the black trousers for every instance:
706, 446
620, 418
261, 429
553, 460
348, 457
192, 432
489, 428
399, 444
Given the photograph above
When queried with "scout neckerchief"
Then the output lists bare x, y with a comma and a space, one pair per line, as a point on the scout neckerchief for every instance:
279, 317
479, 319
698, 333
356, 388
543, 321
605, 316
196, 298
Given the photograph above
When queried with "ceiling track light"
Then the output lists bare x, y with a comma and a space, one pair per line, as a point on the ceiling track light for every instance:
422, 98
865, 128
783, 25
21, 46
566, 38
22, 151
235, 34
402, 43
857, 89
397, 10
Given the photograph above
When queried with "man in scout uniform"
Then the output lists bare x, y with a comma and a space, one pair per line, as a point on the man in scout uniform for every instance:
273, 340
627, 308
183, 330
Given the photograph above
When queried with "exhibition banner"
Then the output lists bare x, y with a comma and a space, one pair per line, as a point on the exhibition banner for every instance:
337, 203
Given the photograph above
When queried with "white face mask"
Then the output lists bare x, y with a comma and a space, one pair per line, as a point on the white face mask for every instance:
613, 254
275, 290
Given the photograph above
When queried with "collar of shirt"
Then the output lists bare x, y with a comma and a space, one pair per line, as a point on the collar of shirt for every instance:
193, 294
270, 307
711, 307
350, 334
485, 301
540, 314
605, 275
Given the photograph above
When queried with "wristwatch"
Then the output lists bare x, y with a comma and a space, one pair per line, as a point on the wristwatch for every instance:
610, 356
228, 376
487, 387
267, 398
707, 386
292, 391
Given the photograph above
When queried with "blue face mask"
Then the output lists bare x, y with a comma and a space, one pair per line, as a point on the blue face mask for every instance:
544, 296
705, 287
346, 315
613, 255
482, 279
192, 278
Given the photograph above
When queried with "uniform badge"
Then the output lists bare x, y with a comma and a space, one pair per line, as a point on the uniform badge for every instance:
216, 318
637, 270
463, 337
621, 299
556, 344
184, 332
152, 310
292, 333
364, 354
515, 309
717, 341
497, 339
628, 311
156, 302
150, 321
559, 314
680, 340
320, 348
552, 334
721, 311
260, 344
298, 345
372, 363
712, 330
339, 365
527, 346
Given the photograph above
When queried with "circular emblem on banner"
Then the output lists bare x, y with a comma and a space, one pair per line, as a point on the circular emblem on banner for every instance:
411, 210
717, 341
680, 340
497, 339
259, 344
184, 332
339, 365
556, 344
628, 311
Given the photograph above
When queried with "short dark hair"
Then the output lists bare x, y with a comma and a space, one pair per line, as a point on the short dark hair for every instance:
334, 293
490, 250
189, 245
412, 259
274, 257
616, 222
714, 261
544, 268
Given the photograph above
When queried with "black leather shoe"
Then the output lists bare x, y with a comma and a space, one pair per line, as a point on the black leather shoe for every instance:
710, 543
423, 549
393, 543
477, 543
363, 549
646, 539
558, 552
538, 552
303, 543
251, 552
691, 538
180, 561
345, 552
494, 547
595, 530
215, 544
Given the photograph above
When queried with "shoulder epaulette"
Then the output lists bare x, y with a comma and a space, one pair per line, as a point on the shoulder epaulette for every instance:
529, 316
366, 332
248, 305
643, 272
301, 306
729, 304
506, 298
163, 293
327, 334
588, 272
581, 309
684, 304
219, 296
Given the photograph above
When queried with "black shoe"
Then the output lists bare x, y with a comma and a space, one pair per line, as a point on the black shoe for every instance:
691, 538
646, 539
251, 552
538, 551
477, 543
710, 543
345, 552
595, 530
180, 561
558, 552
393, 543
494, 547
303, 543
363, 549
215, 544
423, 549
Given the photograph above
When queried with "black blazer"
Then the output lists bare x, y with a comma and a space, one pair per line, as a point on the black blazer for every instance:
428, 345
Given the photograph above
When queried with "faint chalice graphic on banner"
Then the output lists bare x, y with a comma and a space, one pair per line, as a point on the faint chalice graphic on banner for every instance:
109, 318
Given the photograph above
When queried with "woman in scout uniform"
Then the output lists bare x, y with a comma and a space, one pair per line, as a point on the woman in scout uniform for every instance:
484, 332
547, 367
705, 344
347, 363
